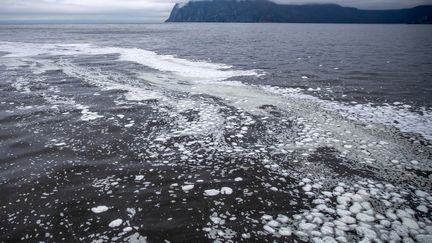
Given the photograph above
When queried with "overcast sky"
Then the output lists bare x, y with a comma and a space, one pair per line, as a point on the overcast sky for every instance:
137, 10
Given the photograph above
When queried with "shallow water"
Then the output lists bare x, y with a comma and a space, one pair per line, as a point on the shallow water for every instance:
210, 132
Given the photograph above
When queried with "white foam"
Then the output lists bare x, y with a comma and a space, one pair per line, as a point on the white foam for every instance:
187, 187
99, 209
127, 229
87, 115
182, 68
211, 192
201, 71
54, 97
109, 82
194, 70
422, 208
400, 116
285, 231
115, 223
226, 190
269, 229
410, 223
21, 85
17, 49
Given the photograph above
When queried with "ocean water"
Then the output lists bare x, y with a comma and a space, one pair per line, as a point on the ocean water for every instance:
215, 132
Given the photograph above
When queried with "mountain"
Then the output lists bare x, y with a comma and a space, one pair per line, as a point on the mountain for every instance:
267, 11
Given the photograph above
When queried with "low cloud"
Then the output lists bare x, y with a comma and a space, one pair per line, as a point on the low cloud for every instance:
365, 4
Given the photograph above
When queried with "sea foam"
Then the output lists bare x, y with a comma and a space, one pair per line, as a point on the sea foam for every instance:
187, 69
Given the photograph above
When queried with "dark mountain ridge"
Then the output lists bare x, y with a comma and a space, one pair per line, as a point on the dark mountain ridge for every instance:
267, 11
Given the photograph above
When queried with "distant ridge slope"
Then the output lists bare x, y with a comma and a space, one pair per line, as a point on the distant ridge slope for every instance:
267, 11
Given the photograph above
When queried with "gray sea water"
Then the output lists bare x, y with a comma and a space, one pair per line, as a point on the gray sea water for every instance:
215, 132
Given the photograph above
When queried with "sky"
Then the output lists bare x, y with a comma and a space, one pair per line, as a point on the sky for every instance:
137, 11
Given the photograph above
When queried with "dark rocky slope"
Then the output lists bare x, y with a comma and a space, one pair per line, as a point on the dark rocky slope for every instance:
267, 11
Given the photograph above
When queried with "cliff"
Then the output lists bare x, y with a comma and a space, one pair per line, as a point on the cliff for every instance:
267, 11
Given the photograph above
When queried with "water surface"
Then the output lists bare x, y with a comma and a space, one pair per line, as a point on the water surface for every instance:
215, 132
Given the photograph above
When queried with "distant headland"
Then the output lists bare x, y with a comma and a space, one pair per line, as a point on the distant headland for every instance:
251, 11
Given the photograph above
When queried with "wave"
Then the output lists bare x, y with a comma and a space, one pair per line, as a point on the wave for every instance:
194, 71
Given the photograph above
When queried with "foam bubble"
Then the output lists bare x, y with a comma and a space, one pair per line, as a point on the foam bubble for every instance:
99, 209
115, 223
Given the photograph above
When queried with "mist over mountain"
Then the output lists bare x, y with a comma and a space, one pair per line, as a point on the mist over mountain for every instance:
267, 11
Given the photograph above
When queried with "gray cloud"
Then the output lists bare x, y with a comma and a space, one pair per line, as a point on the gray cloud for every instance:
138, 10
365, 4
85, 10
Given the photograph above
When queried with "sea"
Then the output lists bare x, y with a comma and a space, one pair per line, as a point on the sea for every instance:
215, 132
